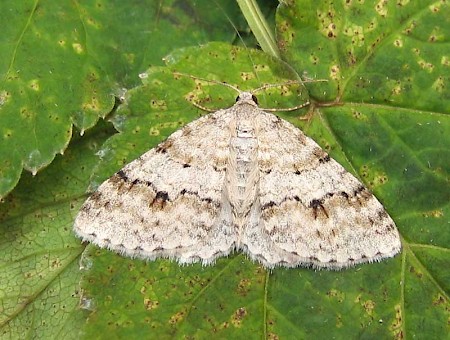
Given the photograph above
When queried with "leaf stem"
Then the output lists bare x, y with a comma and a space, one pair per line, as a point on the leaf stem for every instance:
259, 26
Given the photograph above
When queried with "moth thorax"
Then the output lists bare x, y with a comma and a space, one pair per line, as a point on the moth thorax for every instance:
242, 173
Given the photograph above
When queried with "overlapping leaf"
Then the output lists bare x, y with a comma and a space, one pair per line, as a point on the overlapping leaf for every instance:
62, 63
385, 119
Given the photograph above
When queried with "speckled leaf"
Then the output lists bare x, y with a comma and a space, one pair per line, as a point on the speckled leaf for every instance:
39, 260
399, 149
389, 140
392, 53
62, 62
388, 68
172, 301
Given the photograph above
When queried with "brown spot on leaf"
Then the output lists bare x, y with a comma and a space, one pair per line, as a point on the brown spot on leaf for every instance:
238, 316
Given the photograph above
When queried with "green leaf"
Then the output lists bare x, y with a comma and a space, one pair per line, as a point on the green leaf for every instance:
39, 259
63, 62
383, 122
376, 296
173, 301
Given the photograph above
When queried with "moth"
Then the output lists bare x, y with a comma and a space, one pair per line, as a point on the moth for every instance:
239, 179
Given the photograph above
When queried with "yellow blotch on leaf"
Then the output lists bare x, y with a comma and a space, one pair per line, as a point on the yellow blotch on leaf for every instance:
177, 317
238, 316
34, 84
335, 72
150, 304
78, 48
426, 65
439, 85
247, 76
381, 8
4, 97
92, 105
434, 213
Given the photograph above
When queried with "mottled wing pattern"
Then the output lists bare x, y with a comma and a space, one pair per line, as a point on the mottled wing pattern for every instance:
311, 211
168, 202
239, 178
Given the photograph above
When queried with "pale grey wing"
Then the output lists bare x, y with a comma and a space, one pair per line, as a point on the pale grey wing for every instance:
168, 202
311, 210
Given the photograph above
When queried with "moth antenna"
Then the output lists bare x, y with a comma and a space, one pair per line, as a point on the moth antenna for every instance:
208, 81
289, 82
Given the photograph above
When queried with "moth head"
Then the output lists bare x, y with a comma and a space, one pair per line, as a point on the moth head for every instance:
247, 97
